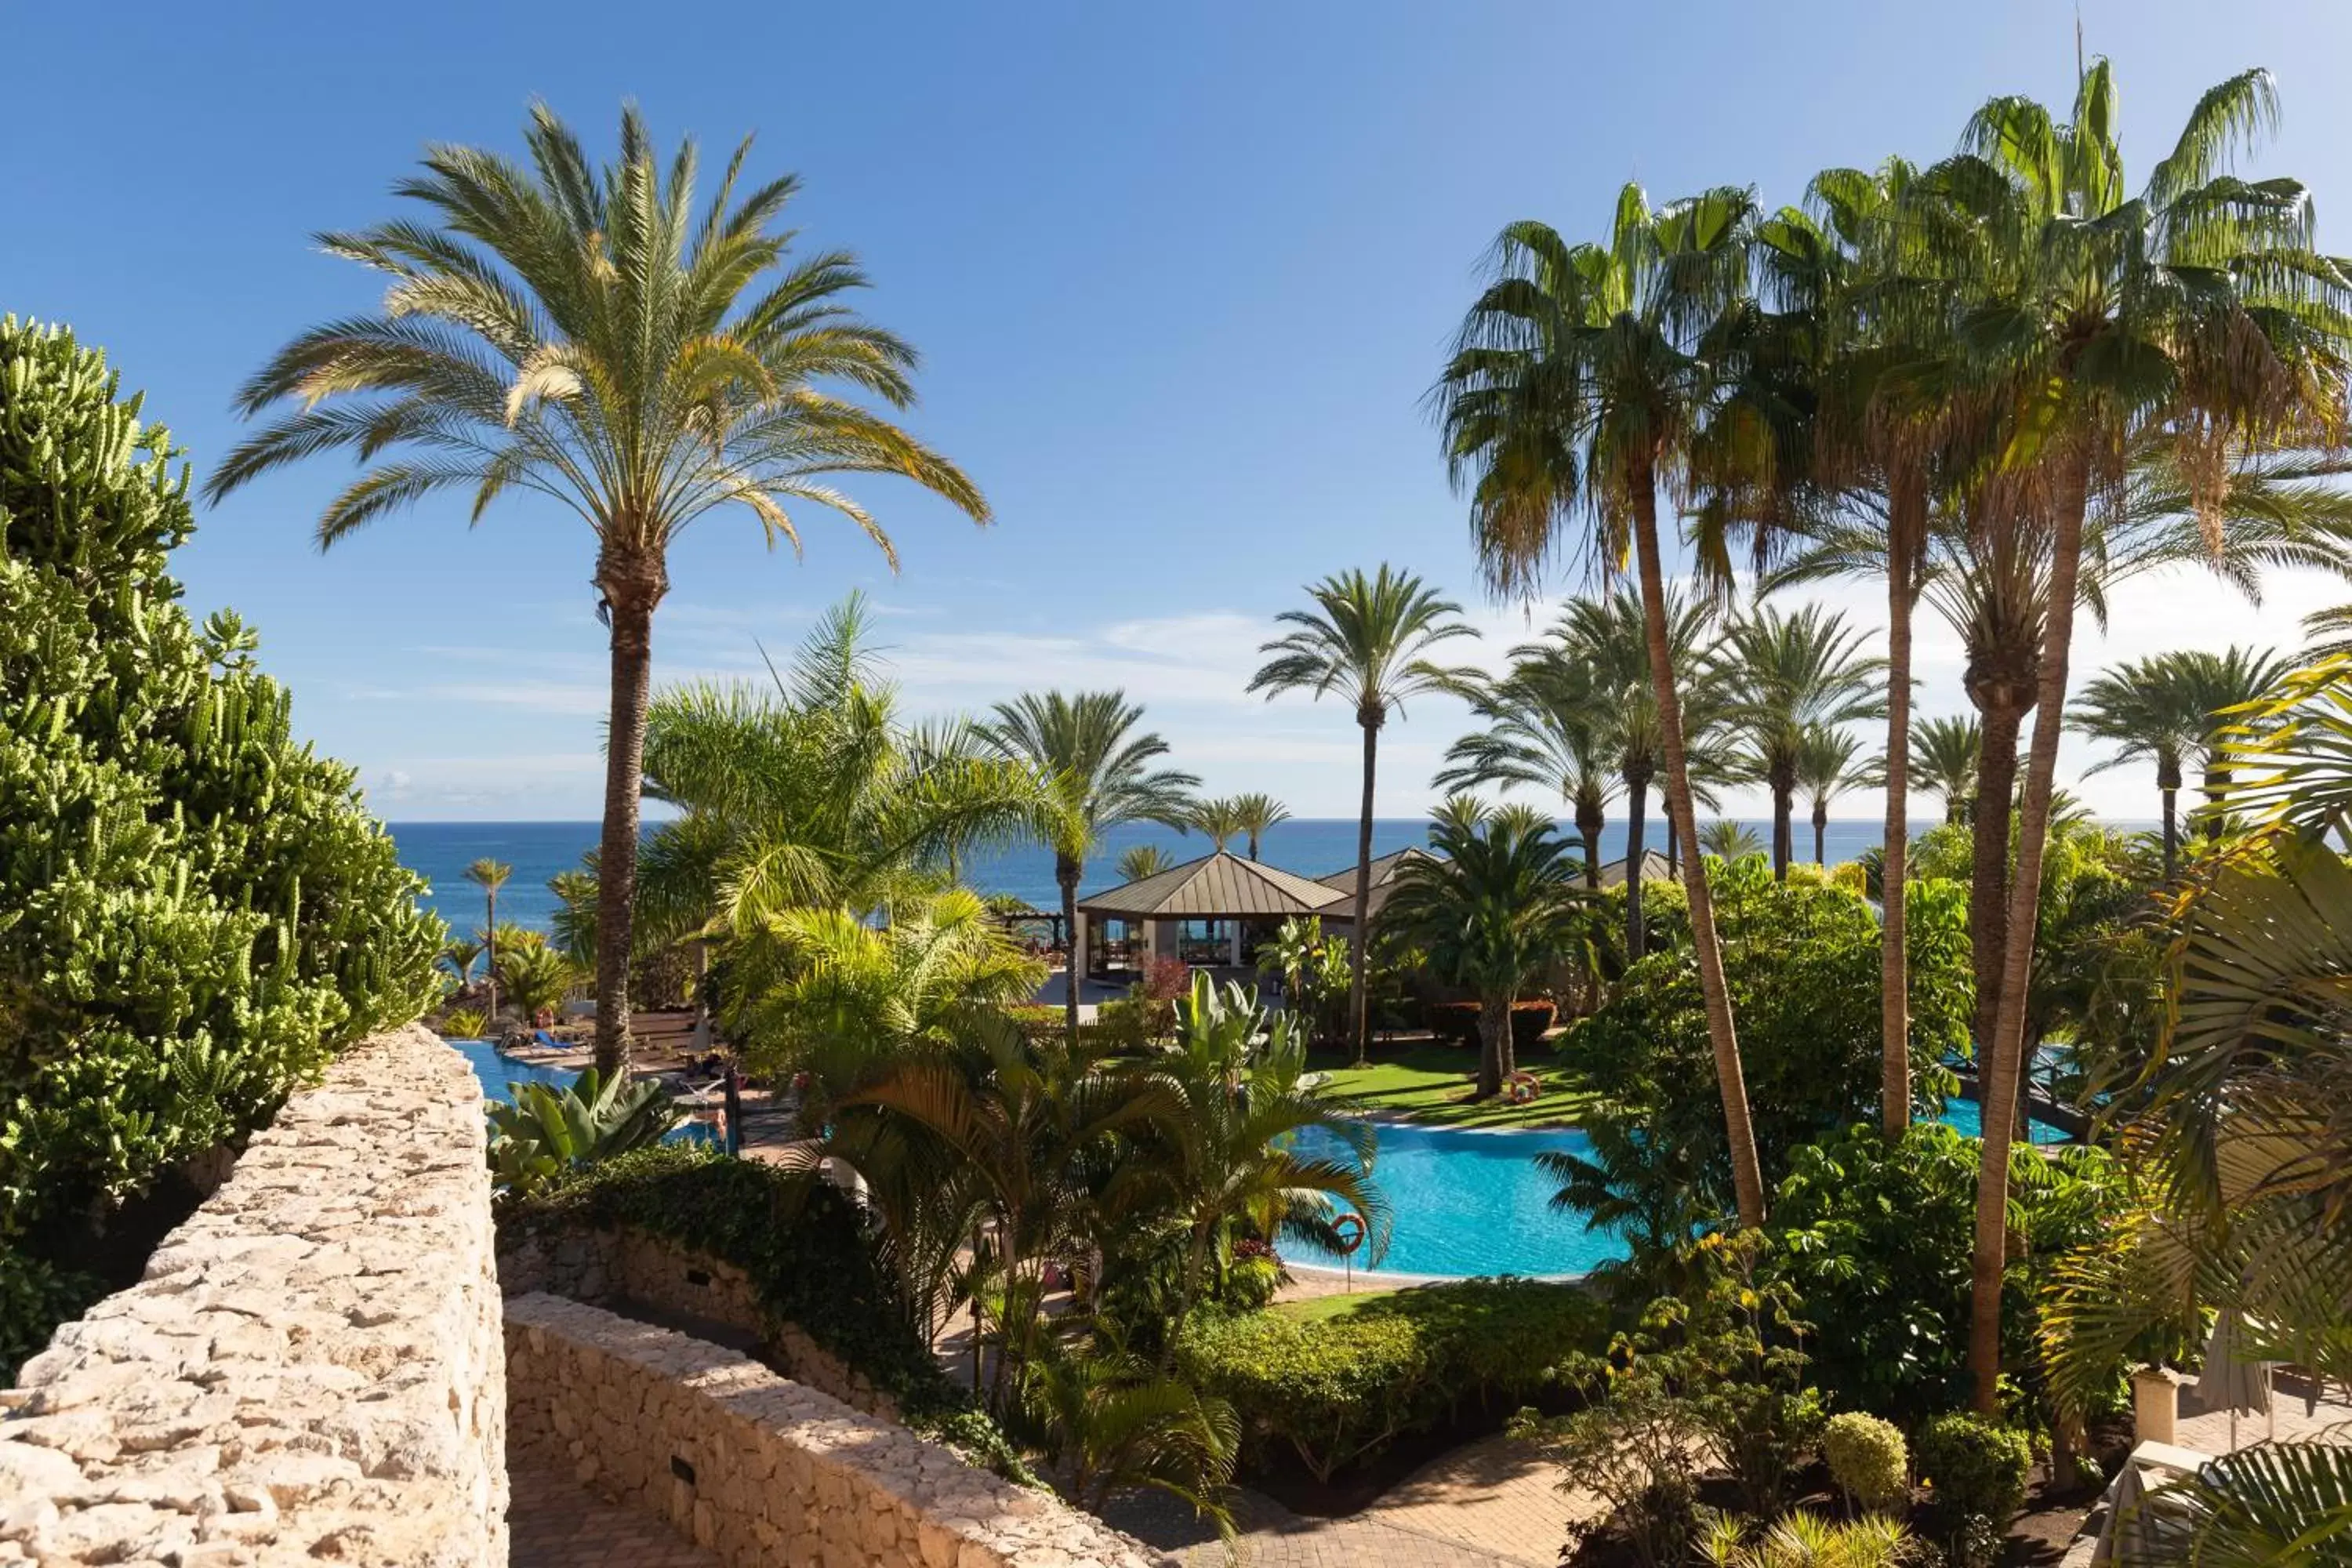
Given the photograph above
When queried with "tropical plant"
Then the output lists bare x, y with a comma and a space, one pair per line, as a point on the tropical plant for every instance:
1368, 642
1097, 774
587, 335
1218, 818
1111, 1422
1143, 860
2148, 716
1944, 763
200, 912
1258, 812
1827, 768
1582, 379
1803, 1540
460, 956
2197, 311
1973, 1469
1868, 1460
490, 875
1730, 841
1791, 676
2222, 689
538, 978
1492, 911
1636, 1445
1548, 726
464, 1024
1315, 971
543, 1132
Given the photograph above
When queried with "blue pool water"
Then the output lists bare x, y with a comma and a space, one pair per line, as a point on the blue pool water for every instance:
497, 1070
1476, 1202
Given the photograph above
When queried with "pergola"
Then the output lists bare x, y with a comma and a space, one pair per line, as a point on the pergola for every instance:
1210, 911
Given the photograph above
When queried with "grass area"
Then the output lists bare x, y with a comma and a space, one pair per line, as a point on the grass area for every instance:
1424, 1080
1321, 1309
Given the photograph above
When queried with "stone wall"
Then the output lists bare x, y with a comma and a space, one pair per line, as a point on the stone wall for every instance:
762, 1470
312, 1367
629, 1267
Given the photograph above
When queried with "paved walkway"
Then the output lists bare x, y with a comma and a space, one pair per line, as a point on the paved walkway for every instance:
552, 1523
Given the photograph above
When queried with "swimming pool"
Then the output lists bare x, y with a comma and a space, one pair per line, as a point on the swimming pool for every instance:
1476, 1202
494, 1070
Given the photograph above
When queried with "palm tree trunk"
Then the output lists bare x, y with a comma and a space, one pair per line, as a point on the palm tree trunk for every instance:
1895, 935
1997, 1090
1066, 872
1494, 1045
1747, 1175
2216, 785
631, 587
1674, 849
1989, 873
490, 942
2171, 797
1637, 811
1359, 1021
1820, 832
1784, 832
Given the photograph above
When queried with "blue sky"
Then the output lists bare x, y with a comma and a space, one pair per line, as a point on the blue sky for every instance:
1181, 275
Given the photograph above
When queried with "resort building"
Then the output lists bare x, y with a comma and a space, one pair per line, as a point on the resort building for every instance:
1214, 912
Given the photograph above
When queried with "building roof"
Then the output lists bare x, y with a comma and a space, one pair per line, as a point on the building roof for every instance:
1215, 887
1653, 869
1384, 871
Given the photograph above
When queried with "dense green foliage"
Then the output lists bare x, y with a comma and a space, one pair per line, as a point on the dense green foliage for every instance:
810, 1258
1336, 1391
196, 911
1875, 1239
1867, 1458
1802, 963
1973, 1469
544, 1132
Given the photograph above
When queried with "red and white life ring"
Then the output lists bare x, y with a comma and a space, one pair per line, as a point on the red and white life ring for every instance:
1348, 1230
1521, 1086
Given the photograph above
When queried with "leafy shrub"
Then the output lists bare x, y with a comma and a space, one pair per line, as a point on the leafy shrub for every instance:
1337, 1391
1808, 1540
546, 1131
198, 913
808, 1255
464, 1024
534, 978
1636, 1447
1876, 1239
1973, 1469
1457, 1023
1867, 1460
35, 1297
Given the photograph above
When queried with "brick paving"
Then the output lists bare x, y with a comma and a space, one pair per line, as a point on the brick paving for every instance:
554, 1522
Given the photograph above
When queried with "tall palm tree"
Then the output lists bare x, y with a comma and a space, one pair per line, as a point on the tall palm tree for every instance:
1493, 910
1550, 726
490, 875
1143, 860
1219, 819
589, 336
1098, 773
1944, 762
1827, 766
2143, 713
1728, 840
1259, 812
1581, 381
1792, 675
2197, 310
2214, 686
1367, 641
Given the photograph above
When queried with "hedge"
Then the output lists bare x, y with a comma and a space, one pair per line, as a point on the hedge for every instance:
1459, 1021
1338, 1391
806, 1251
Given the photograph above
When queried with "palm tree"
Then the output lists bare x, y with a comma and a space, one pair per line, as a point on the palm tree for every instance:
1549, 727
1792, 675
1825, 769
1493, 910
1944, 762
1097, 774
1581, 380
1367, 641
461, 955
2213, 686
1143, 860
1259, 812
2136, 708
1220, 819
1728, 840
490, 876
587, 336
2197, 309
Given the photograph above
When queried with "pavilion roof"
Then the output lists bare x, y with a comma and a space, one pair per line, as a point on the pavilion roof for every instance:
1219, 885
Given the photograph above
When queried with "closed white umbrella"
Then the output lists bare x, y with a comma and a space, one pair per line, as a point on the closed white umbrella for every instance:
2231, 1381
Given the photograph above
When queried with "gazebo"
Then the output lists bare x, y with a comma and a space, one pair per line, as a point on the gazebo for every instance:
1212, 912
1339, 918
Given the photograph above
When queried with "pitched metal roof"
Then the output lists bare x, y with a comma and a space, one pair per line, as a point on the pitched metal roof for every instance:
1384, 870
1653, 869
1215, 887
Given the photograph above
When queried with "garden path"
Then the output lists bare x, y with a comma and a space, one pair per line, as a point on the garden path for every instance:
554, 1522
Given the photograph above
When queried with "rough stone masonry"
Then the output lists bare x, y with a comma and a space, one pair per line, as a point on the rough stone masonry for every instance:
312, 1368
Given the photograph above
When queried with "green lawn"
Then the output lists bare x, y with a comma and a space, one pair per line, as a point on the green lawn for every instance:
1424, 1082
1316, 1308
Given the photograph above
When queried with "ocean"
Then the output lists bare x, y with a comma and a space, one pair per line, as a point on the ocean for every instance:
1312, 846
